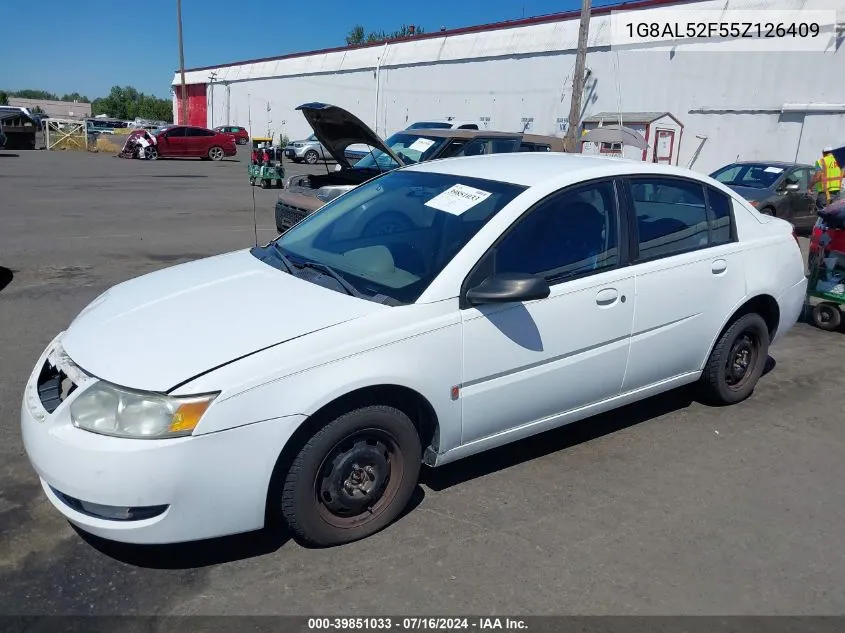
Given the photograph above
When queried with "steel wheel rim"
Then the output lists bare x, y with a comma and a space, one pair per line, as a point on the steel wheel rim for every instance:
216, 153
825, 314
358, 478
742, 360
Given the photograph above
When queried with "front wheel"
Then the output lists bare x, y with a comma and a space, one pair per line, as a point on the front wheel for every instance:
151, 153
737, 361
311, 157
353, 477
767, 211
215, 153
827, 316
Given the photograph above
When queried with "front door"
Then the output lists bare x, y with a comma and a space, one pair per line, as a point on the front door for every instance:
526, 362
802, 203
172, 142
689, 276
663, 146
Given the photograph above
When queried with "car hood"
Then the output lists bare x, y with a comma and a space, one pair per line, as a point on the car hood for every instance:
159, 330
337, 129
751, 193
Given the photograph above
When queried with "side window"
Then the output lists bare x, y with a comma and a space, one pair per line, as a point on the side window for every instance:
176, 132
800, 176
671, 216
720, 207
570, 234
470, 126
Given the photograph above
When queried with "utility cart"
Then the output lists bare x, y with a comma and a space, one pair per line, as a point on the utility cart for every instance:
826, 285
265, 165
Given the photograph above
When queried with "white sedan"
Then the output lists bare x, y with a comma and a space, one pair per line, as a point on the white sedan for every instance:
311, 377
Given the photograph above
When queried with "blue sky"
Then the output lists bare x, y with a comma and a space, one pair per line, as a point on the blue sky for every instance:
100, 43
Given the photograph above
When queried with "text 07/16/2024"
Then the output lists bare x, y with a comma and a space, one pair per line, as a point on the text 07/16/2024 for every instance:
724, 31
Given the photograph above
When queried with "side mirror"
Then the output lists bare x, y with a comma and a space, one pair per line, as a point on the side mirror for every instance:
791, 186
509, 288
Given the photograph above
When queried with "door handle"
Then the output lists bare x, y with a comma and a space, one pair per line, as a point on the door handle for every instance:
607, 296
719, 266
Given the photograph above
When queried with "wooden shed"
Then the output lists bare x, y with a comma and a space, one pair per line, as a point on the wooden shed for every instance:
661, 130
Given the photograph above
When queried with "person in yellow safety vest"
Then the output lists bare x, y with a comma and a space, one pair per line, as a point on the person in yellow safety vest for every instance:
827, 179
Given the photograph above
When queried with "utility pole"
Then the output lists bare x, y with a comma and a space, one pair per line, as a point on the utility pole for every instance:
570, 141
182, 64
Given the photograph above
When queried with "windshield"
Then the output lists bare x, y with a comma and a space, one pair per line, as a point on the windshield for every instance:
754, 175
411, 148
430, 125
391, 236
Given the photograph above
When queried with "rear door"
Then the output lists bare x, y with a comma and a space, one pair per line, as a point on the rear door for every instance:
198, 141
688, 272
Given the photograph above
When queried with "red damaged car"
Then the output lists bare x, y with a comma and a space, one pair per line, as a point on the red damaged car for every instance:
187, 141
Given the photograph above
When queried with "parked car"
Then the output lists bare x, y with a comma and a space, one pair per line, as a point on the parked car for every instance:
445, 124
311, 377
775, 188
186, 141
358, 151
309, 150
240, 133
337, 129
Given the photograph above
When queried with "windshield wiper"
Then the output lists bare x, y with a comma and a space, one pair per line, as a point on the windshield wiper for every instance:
281, 255
331, 272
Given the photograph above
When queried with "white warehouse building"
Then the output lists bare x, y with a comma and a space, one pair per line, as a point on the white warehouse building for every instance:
722, 104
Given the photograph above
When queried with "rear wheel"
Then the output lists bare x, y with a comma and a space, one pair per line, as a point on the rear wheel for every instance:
827, 316
737, 361
215, 153
353, 477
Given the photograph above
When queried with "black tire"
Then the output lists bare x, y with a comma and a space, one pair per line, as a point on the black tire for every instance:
737, 361
827, 316
264, 183
311, 157
767, 211
323, 488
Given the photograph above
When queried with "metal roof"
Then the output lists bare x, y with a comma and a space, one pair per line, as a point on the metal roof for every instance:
479, 28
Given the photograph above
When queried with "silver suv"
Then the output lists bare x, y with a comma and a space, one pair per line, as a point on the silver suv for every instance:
309, 150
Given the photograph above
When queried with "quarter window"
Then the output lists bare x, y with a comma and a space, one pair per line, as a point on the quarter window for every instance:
720, 217
568, 235
671, 216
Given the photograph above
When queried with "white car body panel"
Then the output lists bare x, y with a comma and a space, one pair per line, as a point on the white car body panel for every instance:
278, 349
188, 330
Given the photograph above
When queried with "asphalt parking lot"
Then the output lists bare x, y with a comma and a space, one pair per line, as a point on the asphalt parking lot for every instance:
666, 507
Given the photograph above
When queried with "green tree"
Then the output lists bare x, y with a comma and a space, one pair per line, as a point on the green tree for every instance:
359, 36
75, 96
356, 36
28, 93
4, 98
127, 103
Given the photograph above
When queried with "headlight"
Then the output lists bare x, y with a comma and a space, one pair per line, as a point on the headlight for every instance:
327, 194
111, 410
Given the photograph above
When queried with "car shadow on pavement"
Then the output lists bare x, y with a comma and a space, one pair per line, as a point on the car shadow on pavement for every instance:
4, 155
194, 554
6, 276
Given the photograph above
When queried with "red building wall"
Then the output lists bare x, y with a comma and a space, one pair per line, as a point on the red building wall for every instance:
197, 105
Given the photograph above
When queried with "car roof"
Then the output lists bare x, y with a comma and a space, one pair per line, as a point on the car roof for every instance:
772, 163
470, 134
530, 169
